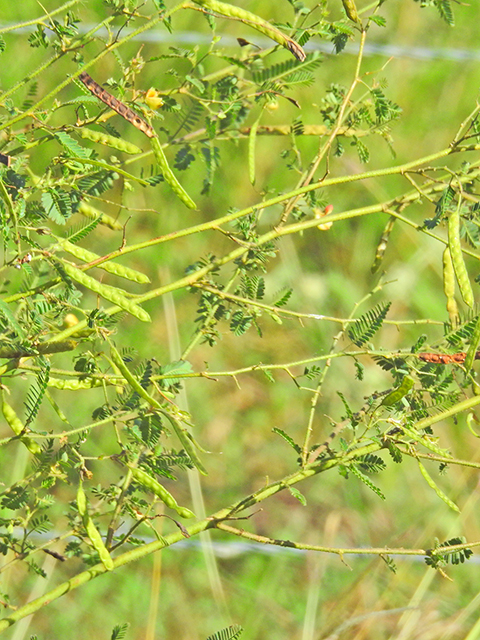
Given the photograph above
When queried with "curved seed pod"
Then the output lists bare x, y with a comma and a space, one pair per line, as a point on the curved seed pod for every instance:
109, 141
92, 532
351, 10
457, 257
255, 22
382, 244
106, 291
438, 491
472, 349
159, 490
182, 434
112, 267
186, 441
90, 212
397, 394
115, 104
17, 427
168, 174
449, 287
130, 378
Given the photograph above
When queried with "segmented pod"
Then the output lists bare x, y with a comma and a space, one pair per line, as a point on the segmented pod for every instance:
382, 244
143, 393
17, 427
449, 287
106, 291
90, 212
255, 22
187, 443
472, 349
115, 104
73, 385
112, 267
130, 378
109, 141
81, 501
92, 532
397, 394
159, 490
459, 267
168, 174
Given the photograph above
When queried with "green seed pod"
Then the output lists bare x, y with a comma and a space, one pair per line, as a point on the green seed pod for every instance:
143, 393
81, 500
92, 532
90, 212
449, 287
351, 10
168, 174
74, 385
255, 22
472, 349
109, 141
17, 427
186, 442
159, 490
252, 138
431, 483
382, 244
397, 394
106, 291
112, 267
457, 257
130, 378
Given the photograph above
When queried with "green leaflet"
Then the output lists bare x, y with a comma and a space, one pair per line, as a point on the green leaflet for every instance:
365, 327
12, 321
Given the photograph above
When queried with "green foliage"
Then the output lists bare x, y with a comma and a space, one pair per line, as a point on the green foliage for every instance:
231, 212
437, 559
229, 633
363, 329
119, 631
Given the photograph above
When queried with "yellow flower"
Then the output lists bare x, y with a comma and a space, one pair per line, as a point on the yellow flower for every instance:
152, 98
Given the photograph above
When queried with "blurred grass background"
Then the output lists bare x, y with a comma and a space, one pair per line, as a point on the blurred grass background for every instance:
279, 593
